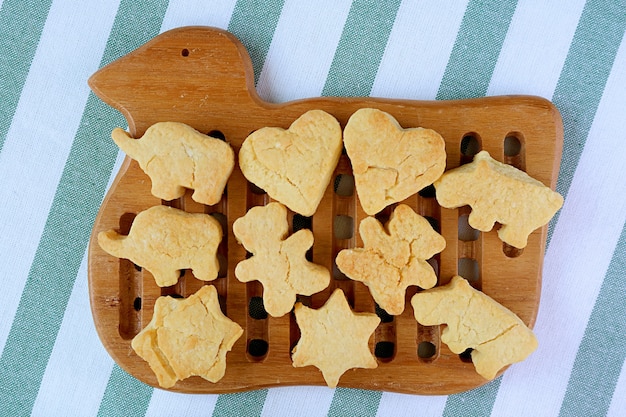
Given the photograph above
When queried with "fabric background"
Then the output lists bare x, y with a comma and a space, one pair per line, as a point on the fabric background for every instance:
56, 163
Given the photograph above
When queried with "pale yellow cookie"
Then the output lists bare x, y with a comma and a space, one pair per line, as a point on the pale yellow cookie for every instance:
394, 257
187, 337
278, 262
294, 166
176, 156
390, 163
501, 193
165, 240
474, 320
333, 338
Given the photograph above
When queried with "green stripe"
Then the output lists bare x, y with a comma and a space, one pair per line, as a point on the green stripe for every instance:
354, 402
352, 73
124, 395
602, 351
577, 97
476, 49
468, 73
254, 23
18, 44
240, 404
66, 233
361, 48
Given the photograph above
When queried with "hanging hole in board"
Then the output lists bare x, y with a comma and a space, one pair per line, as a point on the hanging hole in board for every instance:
217, 134
344, 185
343, 227
426, 350
184, 52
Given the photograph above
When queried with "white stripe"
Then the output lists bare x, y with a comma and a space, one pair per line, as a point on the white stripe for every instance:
186, 13
78, 359
39, 139
535, 47
392, 405
197, 12
302, 49
594, 211
618, 402
412, 67
302, 401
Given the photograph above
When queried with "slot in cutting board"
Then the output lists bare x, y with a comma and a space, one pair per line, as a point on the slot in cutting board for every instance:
203, 77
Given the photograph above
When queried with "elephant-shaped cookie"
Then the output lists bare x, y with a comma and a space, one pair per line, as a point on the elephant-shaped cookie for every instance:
175, 156
497, 192
165, 240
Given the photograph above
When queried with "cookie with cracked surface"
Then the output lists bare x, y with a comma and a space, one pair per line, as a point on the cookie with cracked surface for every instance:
278, 262
501, 193
187, 337
165, 240
294, 166
390, 163
393, 257
176, 156
334, 338
474, 320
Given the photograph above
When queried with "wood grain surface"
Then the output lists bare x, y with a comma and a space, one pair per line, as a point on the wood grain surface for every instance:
203, 77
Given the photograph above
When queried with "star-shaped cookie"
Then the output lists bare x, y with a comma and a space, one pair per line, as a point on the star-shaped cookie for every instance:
187, 337
279, 263
393, 258
334, 338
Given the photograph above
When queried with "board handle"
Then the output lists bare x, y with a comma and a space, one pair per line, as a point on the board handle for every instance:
212, 70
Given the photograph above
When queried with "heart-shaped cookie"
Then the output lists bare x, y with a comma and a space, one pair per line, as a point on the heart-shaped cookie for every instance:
390, 163
294, 166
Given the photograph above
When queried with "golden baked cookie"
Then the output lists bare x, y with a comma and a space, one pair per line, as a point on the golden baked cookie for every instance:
294, 166
501, 193
474, 320
187, 337
278, 262
334, 338
176, 156
390, 163
165, 240
393, 257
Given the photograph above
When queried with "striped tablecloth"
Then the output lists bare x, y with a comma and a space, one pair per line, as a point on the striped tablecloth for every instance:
56, 163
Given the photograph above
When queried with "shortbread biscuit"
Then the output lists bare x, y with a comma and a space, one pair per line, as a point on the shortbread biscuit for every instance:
390, 163
187, 337
165, 240
294, 166
501, 193
277, 261
394, 257
176, 156
333, 338
474, 320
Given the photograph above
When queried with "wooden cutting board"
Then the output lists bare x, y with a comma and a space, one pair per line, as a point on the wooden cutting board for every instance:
203, 77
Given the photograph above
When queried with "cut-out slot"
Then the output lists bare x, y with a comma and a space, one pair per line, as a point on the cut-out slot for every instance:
344, 185
470, 146
466, 355
256, 308
469, 269
178, 288
130, 289
257, 349
385, 341
514, 150
427, 343
385, 351
254, 189
300, 222
383, 315
511, 251
343, 227
256, 322
428, 192
217, 134
466, 232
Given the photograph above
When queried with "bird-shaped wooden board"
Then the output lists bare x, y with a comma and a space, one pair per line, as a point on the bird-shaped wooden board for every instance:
203, 77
